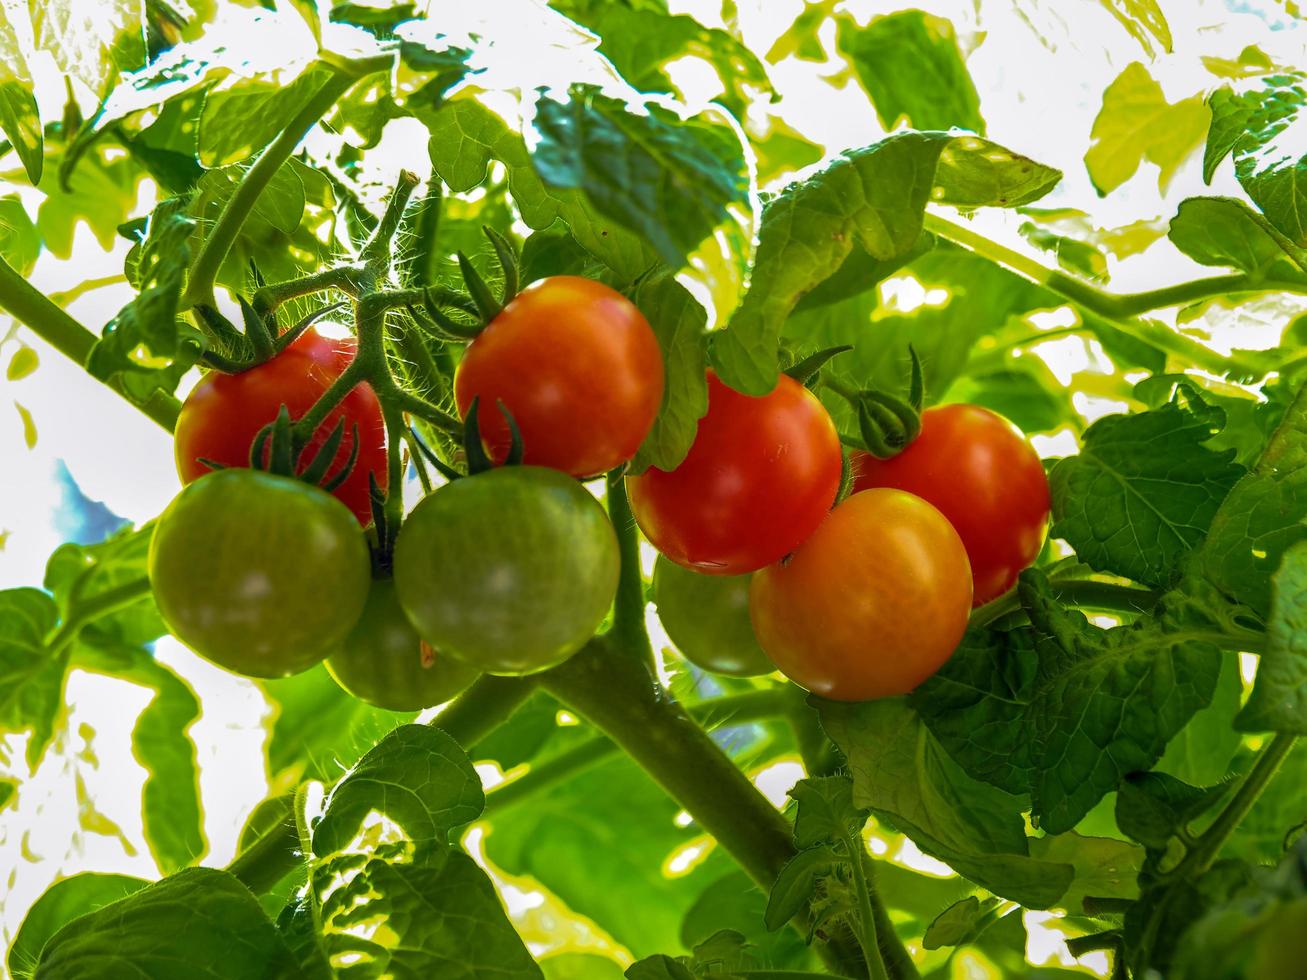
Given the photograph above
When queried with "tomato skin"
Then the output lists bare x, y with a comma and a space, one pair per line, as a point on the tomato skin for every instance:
761, 475
224, 412
978, 470
261, 574
577, 365
384, 662
511, 570
869, 606
707, 617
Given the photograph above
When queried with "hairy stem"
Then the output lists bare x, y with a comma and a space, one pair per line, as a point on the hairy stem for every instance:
483, 707
204, 271
1209, 844
867, 932
1122, 308
272, 856
32, 308
377, 251
628, 630
345, 278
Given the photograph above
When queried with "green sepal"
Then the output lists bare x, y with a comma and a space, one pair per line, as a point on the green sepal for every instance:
508, 262
256, 331
445, 326
917, 385
478, 289
806, 370
222, 329
478, 460
516, 448
316, 471
285, 339
440, 466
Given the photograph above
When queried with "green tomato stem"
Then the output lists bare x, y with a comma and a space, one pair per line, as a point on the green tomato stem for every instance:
1123, 308
628, 629
204, 271
483, 707
1104, 596
867, 933
1209, 844
272, 856
28, 305
376, 252
346, 278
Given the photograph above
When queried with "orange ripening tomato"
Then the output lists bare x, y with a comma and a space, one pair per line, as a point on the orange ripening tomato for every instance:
579, 368
869, 606
761, 475
224, 412
979, 471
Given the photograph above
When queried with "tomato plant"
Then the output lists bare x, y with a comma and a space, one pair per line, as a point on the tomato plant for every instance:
760, 476
1068, 690
707, 618
871, 604
577, 366
228, 564
224, 412
384, 662
984, 477
510, 571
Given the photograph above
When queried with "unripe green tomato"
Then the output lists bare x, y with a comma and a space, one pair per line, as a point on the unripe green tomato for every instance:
261, 574
384, 662
707, 617
511, 570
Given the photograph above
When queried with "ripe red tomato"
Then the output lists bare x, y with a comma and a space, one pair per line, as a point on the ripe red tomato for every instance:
224, 413
761, 475
873, 603
976, 468
579, 368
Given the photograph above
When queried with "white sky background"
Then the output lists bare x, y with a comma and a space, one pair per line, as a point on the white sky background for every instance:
1039, 99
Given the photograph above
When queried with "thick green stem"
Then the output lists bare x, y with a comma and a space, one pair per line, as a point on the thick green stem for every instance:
867, 931
1209, 844
628, 630
377, 251
271, 857
29, 306
1122, 308
483, 707
204, 271
346, 278
1089, 593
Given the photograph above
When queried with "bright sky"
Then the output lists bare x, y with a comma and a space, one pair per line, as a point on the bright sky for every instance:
1038, 96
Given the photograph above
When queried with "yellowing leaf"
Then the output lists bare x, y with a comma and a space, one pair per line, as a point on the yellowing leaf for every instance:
1135, 124
1143, 19
23, 363
29, 427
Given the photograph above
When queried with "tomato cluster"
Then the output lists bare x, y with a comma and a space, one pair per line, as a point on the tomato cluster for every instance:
511, 570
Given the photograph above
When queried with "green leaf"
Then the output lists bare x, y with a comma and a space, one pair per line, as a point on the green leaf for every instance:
796, 884
1279, 698
416, 776
910, 65
872, 198
101, 192
58, 905
1136, 124
240, 121
952, 926
78, 574
670, 180
1026, 394
1151, 807
1063, 709
678, 321
658, 967
91, 43
31, 681
442, 915
1262, 517
198, 923
1105, 867
826, 814
1223, 231
19, 120
20, 242
298, 926
1258, 121
1144, 489
1143, 19
580, 966
466, 137
1203, 751
733, 902
1276, 819
150, 321
905, 777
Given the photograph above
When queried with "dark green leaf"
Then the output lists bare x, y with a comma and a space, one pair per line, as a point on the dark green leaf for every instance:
678, 320
198, 923
1279, 698
904, 776
910, 64
1151, 807
466, 136
1143, 490
1136, 124
1277, 818
416, 776
658, 968
62, 902
1105, 867
1203, 751
796, 885
826, 814
669, 180
733, 902
954, 925
1223, 231
31, 681
872, 198
299, 931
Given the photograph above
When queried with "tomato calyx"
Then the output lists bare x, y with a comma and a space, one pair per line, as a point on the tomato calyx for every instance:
887, 424
258, 343
479, 302
474, 449
807, 370
278, 438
